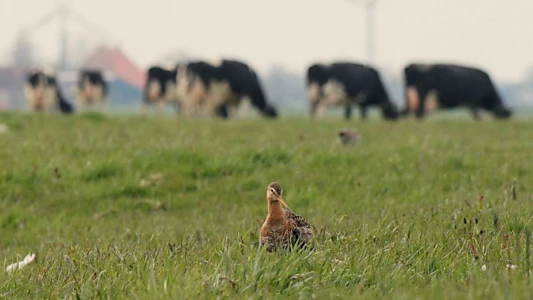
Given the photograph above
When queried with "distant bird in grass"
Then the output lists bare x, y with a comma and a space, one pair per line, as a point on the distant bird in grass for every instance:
282, 228
349, 137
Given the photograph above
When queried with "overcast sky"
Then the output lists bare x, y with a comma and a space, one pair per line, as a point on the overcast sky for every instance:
492, 34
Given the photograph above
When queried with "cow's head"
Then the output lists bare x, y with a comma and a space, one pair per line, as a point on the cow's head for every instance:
501, 112
37, 78
389, 111
495, 105
318, 73
317, 76
269, 111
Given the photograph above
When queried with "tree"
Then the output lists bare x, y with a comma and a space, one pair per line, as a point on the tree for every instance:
82, 49
529, 76
285, 88
23, 51
394, 84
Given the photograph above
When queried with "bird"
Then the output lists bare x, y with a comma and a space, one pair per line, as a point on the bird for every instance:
282, 228
349, 137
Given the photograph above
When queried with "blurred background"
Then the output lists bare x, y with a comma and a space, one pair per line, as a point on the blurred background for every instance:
279, 38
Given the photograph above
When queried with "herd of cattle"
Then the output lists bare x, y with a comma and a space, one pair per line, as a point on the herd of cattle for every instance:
44, 94
218, 89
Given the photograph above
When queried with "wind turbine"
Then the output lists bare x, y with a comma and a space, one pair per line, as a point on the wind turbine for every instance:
63, 13
370, 35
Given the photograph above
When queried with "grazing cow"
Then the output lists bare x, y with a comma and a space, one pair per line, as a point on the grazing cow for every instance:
345, 84
445, 86
160, 88
215, 88
43, 93
92, 89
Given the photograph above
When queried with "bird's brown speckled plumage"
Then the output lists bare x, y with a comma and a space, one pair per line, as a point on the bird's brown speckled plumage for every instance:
349, 137
283, 228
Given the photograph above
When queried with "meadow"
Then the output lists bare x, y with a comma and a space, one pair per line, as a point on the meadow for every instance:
133, 207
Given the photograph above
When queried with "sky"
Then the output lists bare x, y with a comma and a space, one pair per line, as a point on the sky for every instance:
496, 35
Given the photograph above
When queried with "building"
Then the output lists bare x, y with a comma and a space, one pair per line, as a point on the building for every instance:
125, 80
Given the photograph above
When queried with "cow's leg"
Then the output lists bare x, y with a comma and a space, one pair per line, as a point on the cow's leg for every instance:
84, 105
364, 112
101, 105
420, 110
176, 105
314, 110
96, 104
105, 103
222, 111
160, 106
199, 102
31, 97
411, 100
320, 110
51, 100
100, 98
144, 107
348, 112
476, 113
185, 93
244, 107
211, 104
87, 105
82, 100
188, 105
219, 94
193, 102
314, 95
194, 99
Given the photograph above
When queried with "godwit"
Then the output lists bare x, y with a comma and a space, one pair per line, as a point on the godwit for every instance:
349, 137
282, 228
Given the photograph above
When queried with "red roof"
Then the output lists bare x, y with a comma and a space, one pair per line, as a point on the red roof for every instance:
114, 60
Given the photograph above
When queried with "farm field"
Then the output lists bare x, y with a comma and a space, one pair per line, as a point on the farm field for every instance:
132, 207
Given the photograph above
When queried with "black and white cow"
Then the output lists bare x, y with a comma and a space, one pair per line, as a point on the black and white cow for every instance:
160, 88
445, 86
92, 89
346, 84
43, 93
217, 88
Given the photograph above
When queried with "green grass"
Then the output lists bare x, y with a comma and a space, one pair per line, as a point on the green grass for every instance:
399, 217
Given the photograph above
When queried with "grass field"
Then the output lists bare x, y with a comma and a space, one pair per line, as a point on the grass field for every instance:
399, 217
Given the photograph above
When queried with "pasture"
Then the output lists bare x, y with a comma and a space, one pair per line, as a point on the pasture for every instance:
120, 206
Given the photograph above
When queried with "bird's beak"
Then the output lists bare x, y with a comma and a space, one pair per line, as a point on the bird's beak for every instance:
282, 202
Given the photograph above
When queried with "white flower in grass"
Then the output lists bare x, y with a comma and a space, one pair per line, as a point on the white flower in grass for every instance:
484, 268
19, 265
3, 128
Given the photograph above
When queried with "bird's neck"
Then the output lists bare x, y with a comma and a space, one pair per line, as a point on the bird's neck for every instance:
276, 214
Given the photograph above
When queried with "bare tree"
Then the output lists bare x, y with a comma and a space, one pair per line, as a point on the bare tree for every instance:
285, 88
23, 54
81, 51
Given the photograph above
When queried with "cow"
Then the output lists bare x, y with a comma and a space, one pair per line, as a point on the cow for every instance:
92, 90
43, 93
160, 88
429, 87
216, 88
345, 84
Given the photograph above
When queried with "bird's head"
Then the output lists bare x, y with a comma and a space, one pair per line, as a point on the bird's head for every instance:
348, 137
274, 192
